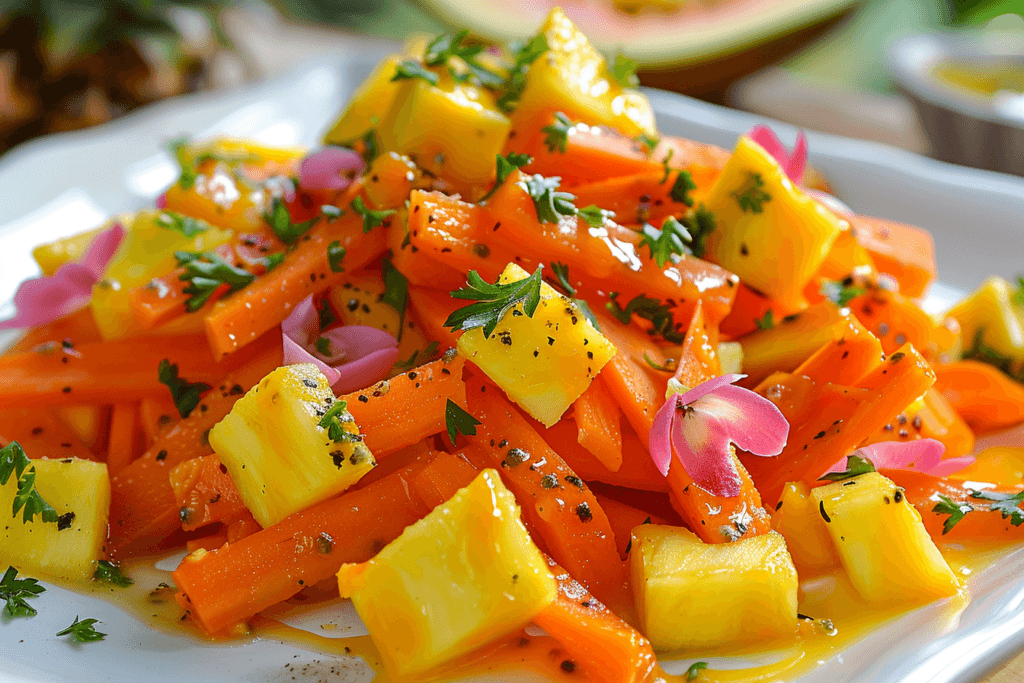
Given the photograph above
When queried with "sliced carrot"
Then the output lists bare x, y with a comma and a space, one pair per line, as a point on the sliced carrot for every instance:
432, 307
635, 199
607, 648
597, 421
930, 417
558, 507
242, 525
211, 542
77, 328
637, 470
984, 396
41, 434
748, 309
204, 492
156, 413
163, 298
408, 408
418, 268
698, 357
624, 518
852, 354
124, 443
115, 371
442, 478
217, 587
903, 251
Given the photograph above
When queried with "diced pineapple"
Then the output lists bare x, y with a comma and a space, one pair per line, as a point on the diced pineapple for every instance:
359, 300
694, 595
464, 575
371, 100
989, 311
798, 520
882, 542
461, 149
543, 363
730, 357
146, 251
53, 255
278, 455
767, 230
79, 491
573, 77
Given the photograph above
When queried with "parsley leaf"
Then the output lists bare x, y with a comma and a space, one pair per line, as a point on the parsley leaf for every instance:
335, 256
332, 422
956, 512
667, 168
696, 667
658, 314
1005, 503
83, 631
458, 421
665, 243
750, 196
493, 301
647, 143
207, 271
557, 133
16, 591
550, 203
624, 71
514, 85
671, 364
595, 216
855, 466
111, 573
840, 293
14, 461
562, 273
505, 165
982, 352
280, 222
185, 394
371, 219
325, 314
700, 224
186, 225
680, 191
372, 146
418, 357
445, 46
409, 69
1018, 296
396, 292
179, 148
767, 322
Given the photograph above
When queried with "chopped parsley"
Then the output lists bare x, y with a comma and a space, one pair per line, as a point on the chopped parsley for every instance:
557, 133
515, 83
396, 292
549, 202
458, 421
654, 311
680, 192
595, 216
694, 669
855, 466
666, 243
16, 591
505, 166
445, 46
751, 197
280, 222
418, 357
322, 346
984, 353
185, 394
371, 219
325, 314
335, 256
561, 271
766, 322
1005, 503
700, 223
665, 166
14, 461
840, 293
206, 271
186, 225
624, 71
956, 512
410, 68
111, 573
670, 364
493, 301
83, 631
372, 146
647, 143
332, 422
1018, 296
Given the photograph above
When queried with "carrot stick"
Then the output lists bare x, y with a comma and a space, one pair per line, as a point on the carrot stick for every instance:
432, 307
852, 354
624, 518
121, 447
77, 328
218, 590
608, 649
204, 492
698, 357
408, 408
597, 422
114, 371
156, 413
557, 506
41, 434
442, 478
985, 397
637, 470
903, 251
143, 512
163, 298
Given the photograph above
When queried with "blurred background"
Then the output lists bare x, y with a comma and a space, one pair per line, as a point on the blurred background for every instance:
944, 77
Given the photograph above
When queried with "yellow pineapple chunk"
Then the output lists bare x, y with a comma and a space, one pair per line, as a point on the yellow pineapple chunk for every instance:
694, 595
882, 541
543, 363
279, 456
53, 255
79, 492
798, 520
573, 77
767, 230
462, 576
989, 311
369, 103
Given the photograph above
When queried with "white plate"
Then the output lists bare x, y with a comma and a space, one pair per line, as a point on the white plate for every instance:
63, 184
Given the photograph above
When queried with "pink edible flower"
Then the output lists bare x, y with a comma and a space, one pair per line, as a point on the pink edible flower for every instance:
700, 424
793, 164
354, 357
43, 299
923, 455
330, 168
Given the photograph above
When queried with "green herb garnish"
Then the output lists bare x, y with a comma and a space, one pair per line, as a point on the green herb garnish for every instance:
670, 364
396, 292
1005, 503
766, 322
750, 196
493, 301
83, 631
694, 669
332, 419
561, 271
549, 202
335, 256
624, 71
445, 46
111, 573
670, 241
667, 168
840, 293
16, 591
418, 357
458, 421
557, 137
700, 223
280, 222
956, 512
505, 166
14, 462
654, 311
595, 216
647, 143
206, 271
410, 68
514, 85
855, 466
371, 219
186, 225
185, 394
680, 192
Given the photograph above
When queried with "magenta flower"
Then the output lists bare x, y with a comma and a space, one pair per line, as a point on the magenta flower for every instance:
351, 357
330, 168
924, 455
701, 425
42, 300
793, 164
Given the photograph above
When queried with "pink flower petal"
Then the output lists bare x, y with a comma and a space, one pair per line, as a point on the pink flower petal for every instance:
294, 354
705, 388
352, 342
701, 441
161, 201
923, 455
303, 324
42, 300
658, 442
949, 466
330, 168
793, 164
366, 371
755, 424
